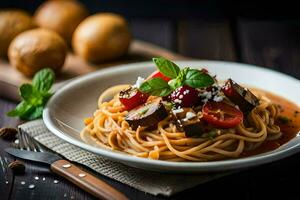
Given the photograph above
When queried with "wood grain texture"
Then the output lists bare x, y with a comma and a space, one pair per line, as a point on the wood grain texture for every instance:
11, 79
280, 177
206, 40
145, 29
272, 44
86, 181
46, 186
6, 175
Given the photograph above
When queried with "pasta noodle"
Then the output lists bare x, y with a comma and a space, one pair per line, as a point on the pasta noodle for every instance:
110, 130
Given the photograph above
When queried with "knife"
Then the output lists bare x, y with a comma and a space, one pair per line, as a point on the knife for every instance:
64, 168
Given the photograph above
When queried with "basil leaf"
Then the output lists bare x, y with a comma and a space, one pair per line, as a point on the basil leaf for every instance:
183, 72
179, 81
21, 109
197, 79
27, 91
35, 113
156, 87
31, 95
167, 67
35, 96
46, 97
175, 83
165, 92
43, 80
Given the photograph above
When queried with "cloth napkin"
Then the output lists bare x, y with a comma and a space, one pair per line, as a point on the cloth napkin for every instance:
154, 183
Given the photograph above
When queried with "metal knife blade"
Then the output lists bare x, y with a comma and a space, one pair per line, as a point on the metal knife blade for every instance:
43, 157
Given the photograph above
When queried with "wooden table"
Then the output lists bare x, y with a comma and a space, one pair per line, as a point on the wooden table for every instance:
273, 44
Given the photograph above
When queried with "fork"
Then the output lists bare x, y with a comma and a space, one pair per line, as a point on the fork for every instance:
27, 143
92, 185
4, 166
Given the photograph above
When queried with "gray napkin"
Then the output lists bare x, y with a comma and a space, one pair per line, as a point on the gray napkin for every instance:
151, 182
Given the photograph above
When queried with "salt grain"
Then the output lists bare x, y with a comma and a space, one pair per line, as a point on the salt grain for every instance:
81, 175
55, 181
36, 178
44, 178
17, 141
22, 182
65, 195
31, 186
6, 182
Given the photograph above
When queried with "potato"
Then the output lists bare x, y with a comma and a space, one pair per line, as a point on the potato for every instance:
61, 16
35, 49
101, 37
12, 22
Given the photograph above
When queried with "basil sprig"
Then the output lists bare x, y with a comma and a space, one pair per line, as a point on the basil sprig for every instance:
34, 96
198, 79
156, 87
186, 76
166, 67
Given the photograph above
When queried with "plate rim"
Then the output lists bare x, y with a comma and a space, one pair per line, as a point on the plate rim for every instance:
158, 164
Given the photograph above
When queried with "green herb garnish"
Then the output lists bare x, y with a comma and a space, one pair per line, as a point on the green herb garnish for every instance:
283, 119
167, 67
34, 96
156, 87
212, 134
186, 76
197, 79
168, 105
144, 111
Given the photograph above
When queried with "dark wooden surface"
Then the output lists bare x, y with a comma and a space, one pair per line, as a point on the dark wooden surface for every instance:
269, 43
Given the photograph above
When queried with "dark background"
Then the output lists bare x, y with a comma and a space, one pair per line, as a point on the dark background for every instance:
257, 32
210, 29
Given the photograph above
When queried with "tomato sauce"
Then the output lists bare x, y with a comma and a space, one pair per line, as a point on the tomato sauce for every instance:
288, 121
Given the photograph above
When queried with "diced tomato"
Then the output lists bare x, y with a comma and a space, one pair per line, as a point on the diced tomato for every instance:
228, 89
204, 70
132, 98
88, 120
158, 74
221, 114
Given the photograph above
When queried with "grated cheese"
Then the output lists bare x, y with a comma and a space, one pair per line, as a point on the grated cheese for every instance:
190, 115
177, 101
139, 82
180, 110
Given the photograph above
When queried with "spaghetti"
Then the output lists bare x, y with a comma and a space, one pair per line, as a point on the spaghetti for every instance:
109, 129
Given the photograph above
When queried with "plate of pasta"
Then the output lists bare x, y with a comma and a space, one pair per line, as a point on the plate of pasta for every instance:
183, 116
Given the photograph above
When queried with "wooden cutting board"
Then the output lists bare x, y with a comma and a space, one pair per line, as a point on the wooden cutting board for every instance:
11, 79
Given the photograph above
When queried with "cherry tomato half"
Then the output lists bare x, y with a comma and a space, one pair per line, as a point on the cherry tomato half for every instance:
221, 114
184, 96
132, 98
158, 74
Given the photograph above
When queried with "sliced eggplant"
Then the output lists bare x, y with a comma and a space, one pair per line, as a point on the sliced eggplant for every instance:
187, 121
240, 96
147, 115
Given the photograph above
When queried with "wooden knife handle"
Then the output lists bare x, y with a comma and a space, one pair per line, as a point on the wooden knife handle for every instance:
86, 181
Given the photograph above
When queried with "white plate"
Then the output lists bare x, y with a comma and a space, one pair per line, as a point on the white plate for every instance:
68, 107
